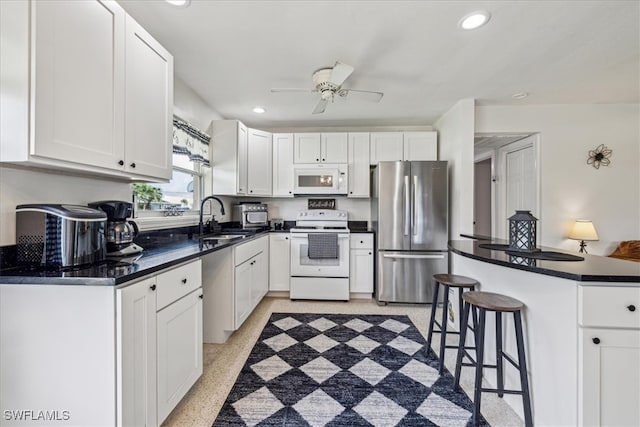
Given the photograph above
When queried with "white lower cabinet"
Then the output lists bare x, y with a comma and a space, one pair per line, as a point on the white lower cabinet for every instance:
609, 362
279, 262
235, 281
361, 263
179, 350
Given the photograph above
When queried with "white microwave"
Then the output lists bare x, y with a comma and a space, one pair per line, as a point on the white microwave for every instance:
320, 178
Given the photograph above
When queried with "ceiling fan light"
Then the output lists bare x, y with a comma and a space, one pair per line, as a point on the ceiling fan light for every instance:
474, 20
179, 3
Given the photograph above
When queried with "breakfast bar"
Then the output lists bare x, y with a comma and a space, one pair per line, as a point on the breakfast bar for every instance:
581, 329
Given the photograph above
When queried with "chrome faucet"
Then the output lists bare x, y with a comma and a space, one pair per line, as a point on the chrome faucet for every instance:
200, 225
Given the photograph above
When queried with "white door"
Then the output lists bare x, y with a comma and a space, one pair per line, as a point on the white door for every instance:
420, 146
482, 197
386, 146
358, 174
519, 181
79, 82
149, 104
179, 350
243, 140
279, 262
283, 165
259, 163
136, 344
259, 278
306, 148
333, 148
242, 292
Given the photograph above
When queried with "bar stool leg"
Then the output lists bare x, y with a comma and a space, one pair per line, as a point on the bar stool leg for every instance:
464, 320
522, 362
443, 327
477, 391
499, 369
434, 304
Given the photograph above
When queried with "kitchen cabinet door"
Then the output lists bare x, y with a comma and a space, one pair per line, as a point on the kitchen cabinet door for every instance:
179, 350
259, 278
306, 148
609, 377
282, 165
136, 352
148, 104
386, 146
243, 292
259, 163
229, 150
420, 146
333, 147
358, 165
279, 262
79, 82
242, 160
361, 263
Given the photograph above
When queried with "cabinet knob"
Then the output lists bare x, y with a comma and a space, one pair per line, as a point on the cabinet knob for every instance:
289, 192
250, 191
286, 238
133, 165
369, 253
361, 241
350, 192
323, 160
317, 160
631, 307
184, 280
121, 162
596, 340
152, 287
201, 296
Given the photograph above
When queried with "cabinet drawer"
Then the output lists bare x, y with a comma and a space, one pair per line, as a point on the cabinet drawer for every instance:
609, 306
361, 241
178, 282
245, 251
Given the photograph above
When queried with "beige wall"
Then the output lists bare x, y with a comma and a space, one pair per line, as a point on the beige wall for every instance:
570, 188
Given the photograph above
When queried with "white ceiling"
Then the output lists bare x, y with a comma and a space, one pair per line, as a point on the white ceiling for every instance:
233, 52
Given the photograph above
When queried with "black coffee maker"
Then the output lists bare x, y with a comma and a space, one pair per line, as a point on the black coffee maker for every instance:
119, 231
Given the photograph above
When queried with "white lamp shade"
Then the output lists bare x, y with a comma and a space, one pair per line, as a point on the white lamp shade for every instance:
583, 230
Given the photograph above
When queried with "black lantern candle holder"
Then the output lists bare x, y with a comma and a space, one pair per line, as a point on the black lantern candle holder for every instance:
522, 232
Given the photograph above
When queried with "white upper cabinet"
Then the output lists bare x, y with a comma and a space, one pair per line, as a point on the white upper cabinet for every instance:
94, 95
358, 176
282, 165
420, 146
320, 147
229, 151
392, 146
259, 163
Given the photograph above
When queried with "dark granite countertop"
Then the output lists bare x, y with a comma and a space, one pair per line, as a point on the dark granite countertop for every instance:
593, 268
159, 254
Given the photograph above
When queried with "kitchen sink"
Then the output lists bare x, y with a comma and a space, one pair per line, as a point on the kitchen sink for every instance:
223, 238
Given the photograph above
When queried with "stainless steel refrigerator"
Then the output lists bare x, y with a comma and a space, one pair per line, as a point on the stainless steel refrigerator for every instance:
409, 212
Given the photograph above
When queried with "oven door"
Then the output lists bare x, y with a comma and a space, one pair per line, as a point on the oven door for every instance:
319, 179
255, 219
303, 266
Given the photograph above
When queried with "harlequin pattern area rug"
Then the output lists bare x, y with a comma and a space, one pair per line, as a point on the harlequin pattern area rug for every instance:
342, 370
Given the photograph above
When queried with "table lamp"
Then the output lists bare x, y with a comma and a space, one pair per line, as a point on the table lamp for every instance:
584, 231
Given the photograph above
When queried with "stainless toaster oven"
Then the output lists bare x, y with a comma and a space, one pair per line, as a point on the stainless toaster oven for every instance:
59, 235
251, 215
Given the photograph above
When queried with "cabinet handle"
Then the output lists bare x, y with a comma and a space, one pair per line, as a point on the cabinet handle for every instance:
289, 192
596, 340
250, 191
323, 160
121, 162
350, 192
152, 287
201, 296
184, 280
631, 307
369, 253
133, 165
361, 241
286, 238
317, 160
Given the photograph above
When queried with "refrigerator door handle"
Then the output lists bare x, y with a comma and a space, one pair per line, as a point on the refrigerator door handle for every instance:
414, 220
407, 213
414, 256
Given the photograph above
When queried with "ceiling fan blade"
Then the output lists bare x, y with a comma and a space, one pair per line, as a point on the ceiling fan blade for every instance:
320, 106
340, 73
366, 95
284, 89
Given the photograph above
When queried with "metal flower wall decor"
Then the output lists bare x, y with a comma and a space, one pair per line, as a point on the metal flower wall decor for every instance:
599, 156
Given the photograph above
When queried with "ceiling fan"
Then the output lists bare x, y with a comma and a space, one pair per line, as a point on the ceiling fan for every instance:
328, 83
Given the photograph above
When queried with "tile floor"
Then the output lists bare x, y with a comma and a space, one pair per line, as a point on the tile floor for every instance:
223, 362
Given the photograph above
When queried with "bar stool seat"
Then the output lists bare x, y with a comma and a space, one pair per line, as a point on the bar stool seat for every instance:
447, 281
481, 303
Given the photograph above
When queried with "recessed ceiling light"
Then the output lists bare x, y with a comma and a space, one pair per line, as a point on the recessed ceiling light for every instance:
179, 3
259, 110
520, 95
474, 20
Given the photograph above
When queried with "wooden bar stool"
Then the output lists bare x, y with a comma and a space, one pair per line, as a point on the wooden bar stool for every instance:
480, 303
447, 281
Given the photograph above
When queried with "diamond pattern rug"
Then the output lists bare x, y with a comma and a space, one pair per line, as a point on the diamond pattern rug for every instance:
342, 370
